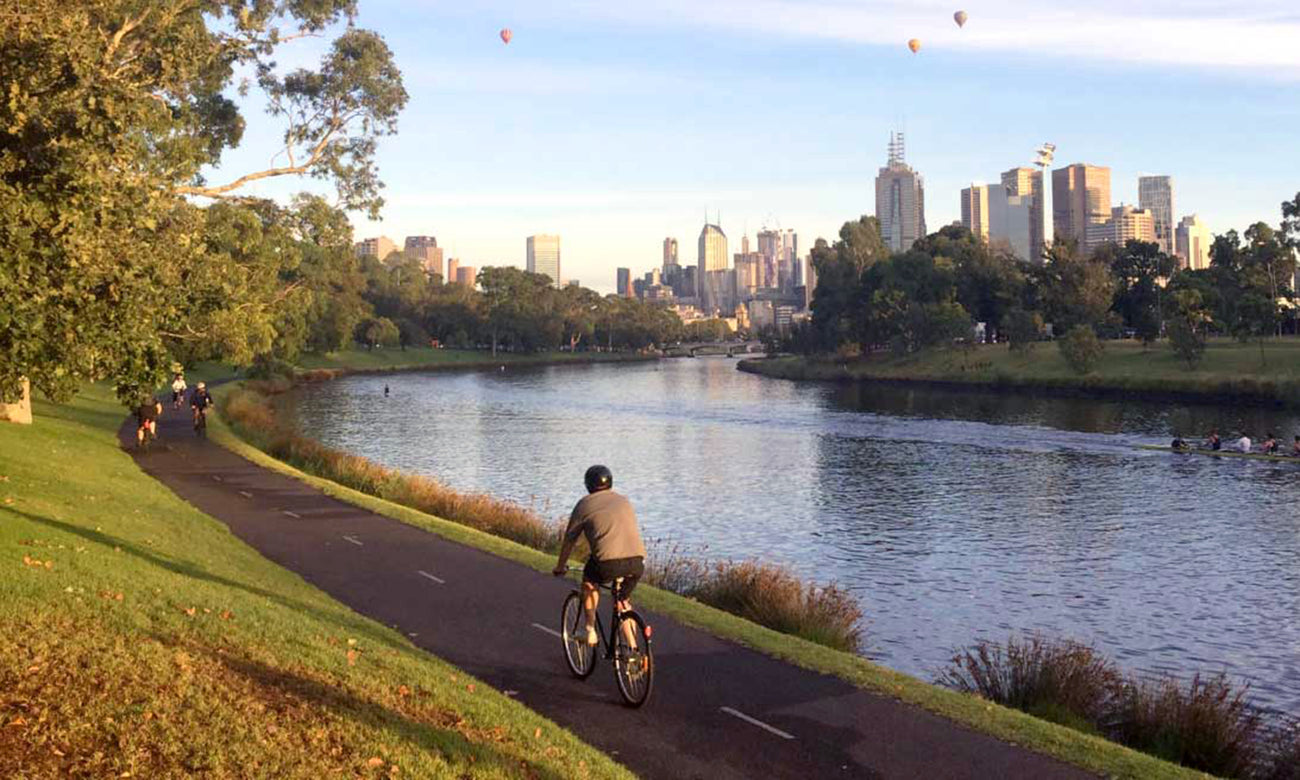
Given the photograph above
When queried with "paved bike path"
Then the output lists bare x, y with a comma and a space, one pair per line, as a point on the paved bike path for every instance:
718, 710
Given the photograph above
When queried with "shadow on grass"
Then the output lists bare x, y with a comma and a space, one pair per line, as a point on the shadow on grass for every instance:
436, 729
359, 625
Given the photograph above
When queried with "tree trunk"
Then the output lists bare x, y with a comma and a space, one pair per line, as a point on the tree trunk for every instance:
20, 412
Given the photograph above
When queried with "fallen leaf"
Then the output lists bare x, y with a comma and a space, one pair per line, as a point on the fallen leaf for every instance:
8, 500
57, 752
18, 722
393, 770
537, 734
402, 690
470, 687
227, 614
191, 611
352, 642
352, 658
376, 761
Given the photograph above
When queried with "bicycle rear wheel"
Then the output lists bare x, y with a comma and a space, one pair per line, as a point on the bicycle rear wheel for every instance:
580, 656
633, 664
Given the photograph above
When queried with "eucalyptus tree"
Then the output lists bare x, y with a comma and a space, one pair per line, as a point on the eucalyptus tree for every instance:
115, 114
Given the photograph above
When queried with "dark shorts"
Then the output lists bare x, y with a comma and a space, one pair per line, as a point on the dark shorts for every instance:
601, 572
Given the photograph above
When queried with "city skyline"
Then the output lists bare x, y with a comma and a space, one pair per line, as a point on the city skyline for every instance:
487, 153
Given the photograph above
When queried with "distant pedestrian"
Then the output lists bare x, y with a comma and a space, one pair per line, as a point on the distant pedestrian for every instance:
385, 391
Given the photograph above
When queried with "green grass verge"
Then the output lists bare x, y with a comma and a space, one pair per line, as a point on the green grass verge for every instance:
1089, 752
1229, 369
139, 638
413, 358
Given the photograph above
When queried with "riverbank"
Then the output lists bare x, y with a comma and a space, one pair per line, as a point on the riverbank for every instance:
391, 360
1081, 749
1229, 373
138, 638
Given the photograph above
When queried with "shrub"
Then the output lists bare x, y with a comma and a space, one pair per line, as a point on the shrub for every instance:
1186, 343
1081, 349
1206, 725
1058, 680
1023, 329
1281, 754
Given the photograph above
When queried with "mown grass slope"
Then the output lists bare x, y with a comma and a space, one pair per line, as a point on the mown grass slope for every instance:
139, 638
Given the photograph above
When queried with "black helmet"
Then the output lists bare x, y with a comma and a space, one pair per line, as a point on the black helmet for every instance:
598, 478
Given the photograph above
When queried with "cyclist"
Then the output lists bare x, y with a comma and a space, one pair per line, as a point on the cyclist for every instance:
146, 415
199, 402
178, 391
609, 524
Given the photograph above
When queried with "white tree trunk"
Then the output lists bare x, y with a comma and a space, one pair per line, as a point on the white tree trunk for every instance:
20, 412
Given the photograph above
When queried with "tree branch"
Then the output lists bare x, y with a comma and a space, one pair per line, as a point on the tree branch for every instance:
285, 170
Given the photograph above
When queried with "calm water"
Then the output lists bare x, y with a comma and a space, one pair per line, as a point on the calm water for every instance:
950, 516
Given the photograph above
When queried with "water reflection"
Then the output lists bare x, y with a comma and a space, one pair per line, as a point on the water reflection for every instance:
952, 516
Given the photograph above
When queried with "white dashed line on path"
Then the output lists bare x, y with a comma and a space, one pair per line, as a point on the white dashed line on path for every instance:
214, 476
757, 722
245, 494
294, 515
550, 631
429, 576
357, 542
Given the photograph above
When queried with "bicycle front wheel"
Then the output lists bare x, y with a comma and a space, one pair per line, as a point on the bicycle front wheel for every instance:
580, 656
633, 660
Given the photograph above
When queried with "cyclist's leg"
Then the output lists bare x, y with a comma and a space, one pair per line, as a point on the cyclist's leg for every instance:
590, 592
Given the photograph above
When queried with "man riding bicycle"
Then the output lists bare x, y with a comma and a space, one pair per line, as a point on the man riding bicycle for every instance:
609, 524
199, 402
146, 415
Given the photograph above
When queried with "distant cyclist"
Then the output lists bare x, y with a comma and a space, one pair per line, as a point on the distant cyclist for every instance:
199, 402
178, 391
146, 415
609, 524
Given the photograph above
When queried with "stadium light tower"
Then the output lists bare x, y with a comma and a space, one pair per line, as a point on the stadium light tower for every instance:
1047, 153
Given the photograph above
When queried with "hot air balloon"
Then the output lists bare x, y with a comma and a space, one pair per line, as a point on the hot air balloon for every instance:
506, 35
914, 45
960, 17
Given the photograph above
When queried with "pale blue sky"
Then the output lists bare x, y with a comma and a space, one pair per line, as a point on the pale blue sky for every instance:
617, 124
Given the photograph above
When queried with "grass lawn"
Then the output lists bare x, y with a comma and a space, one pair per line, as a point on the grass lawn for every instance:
1228, 368
1089, 752
393, 358
139, 638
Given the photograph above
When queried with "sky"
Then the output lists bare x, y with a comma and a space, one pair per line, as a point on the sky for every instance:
616, 124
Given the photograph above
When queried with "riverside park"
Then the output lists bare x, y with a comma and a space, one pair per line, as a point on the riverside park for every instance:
989, 471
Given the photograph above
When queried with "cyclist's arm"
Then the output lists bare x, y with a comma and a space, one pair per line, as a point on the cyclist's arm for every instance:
571, 535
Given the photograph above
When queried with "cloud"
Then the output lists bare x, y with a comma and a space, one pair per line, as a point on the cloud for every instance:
1251, 34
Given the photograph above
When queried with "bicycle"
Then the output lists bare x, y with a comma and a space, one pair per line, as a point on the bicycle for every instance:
201, 421
632, 660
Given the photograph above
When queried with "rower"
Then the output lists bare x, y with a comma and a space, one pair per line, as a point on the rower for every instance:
1295, 448
1213, 442
1242, 444
1269, 447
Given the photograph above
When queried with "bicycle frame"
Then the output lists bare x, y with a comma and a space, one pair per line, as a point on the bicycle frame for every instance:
615, 618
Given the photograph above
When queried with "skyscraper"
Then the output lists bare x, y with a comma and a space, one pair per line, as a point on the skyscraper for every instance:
379, 248
1010, 222
1192, 243
467, 275
810, 282
452, 265
786, 274
1028, 183
426, 250
1080, 197
1156, 194
769, 249
712, 256
1125, 224
975, 210
623, 282
900, 199
670, 255
544, 256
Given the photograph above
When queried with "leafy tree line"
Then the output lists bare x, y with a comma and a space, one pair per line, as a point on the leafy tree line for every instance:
125, 247
868, 299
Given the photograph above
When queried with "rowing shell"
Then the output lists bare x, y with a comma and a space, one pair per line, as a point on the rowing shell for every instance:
1223, 454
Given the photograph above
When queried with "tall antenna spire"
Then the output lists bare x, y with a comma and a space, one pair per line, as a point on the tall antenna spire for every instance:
897, 150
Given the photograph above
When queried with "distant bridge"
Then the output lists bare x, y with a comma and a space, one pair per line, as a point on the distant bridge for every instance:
728, 348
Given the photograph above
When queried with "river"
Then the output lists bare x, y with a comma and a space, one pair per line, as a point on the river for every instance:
950, 516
